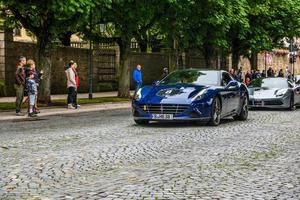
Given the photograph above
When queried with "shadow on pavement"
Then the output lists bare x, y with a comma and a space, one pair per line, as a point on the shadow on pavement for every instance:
179, 124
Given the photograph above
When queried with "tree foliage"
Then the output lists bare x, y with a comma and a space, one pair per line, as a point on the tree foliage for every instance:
47, 20
214, 27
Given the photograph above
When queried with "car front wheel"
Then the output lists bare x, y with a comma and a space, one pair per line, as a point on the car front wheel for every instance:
215, 112
243, 115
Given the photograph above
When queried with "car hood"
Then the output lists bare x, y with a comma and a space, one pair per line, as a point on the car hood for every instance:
261, 93
171, 94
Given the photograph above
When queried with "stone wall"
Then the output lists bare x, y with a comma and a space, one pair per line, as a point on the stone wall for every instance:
60, 57
104, 65
105, 62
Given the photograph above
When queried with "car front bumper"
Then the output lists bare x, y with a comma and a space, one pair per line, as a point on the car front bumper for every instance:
283, 102
194, 112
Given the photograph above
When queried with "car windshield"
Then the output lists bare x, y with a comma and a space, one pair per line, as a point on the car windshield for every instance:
274, 83
196, 77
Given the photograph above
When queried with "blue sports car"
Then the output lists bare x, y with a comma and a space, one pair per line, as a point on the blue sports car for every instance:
192, 94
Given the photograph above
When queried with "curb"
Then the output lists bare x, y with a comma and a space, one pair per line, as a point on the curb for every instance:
10, 116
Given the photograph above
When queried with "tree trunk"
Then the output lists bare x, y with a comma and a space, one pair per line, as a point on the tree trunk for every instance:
235, 59
44, 62
124, 75
209, 56
235, 51
253, 60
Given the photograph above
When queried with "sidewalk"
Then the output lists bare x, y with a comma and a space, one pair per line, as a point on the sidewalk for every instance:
64, 96
50, 111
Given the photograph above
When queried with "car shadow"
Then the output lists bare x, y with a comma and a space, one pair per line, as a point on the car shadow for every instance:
182, 124
270, 109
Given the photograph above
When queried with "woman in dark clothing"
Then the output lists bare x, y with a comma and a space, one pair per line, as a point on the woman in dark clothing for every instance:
280, 73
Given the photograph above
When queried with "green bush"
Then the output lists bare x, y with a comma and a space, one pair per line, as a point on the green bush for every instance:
257, 82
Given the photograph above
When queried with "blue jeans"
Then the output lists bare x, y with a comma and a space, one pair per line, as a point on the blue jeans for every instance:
72, 95
32, 99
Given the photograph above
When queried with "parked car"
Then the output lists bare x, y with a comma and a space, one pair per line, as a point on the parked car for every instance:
192, 94
275, 93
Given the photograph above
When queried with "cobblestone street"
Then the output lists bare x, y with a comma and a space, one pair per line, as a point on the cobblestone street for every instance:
104, 155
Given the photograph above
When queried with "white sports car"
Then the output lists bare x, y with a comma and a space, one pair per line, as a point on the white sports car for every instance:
275, 93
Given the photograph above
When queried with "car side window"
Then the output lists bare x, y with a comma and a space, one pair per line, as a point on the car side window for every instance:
225, 79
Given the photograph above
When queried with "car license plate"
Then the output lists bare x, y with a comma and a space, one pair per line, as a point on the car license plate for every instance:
162, 116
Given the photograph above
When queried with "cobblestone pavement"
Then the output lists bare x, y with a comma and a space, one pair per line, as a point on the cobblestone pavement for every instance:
105, 155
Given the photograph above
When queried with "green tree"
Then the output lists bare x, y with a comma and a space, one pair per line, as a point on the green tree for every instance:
126, 19
47, 20
264, 27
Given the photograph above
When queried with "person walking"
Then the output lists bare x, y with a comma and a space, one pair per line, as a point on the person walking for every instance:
71, 84
32, 94
20, 84
137, 77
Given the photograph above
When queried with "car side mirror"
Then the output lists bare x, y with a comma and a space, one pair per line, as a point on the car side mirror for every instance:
232, 85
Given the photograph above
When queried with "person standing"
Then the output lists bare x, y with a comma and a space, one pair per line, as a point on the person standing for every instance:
263, 74
137, 77
165, 72
32, 94
248, 75
239, 75
37, 76
76, 105
71, 84
280, 73
20, 84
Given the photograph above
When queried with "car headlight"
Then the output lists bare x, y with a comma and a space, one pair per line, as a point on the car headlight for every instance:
281, 92
200, 95
138, 94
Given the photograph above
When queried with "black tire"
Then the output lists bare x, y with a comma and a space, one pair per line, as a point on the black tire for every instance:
292, 104
215, 112
141, 121
243, 115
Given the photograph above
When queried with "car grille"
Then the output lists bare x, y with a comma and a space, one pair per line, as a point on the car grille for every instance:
273, 102
164, 108
266, 102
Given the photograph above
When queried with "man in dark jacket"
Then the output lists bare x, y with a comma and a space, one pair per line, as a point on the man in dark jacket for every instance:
20, 84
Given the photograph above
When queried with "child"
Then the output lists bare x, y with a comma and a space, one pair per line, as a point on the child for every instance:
32, 92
